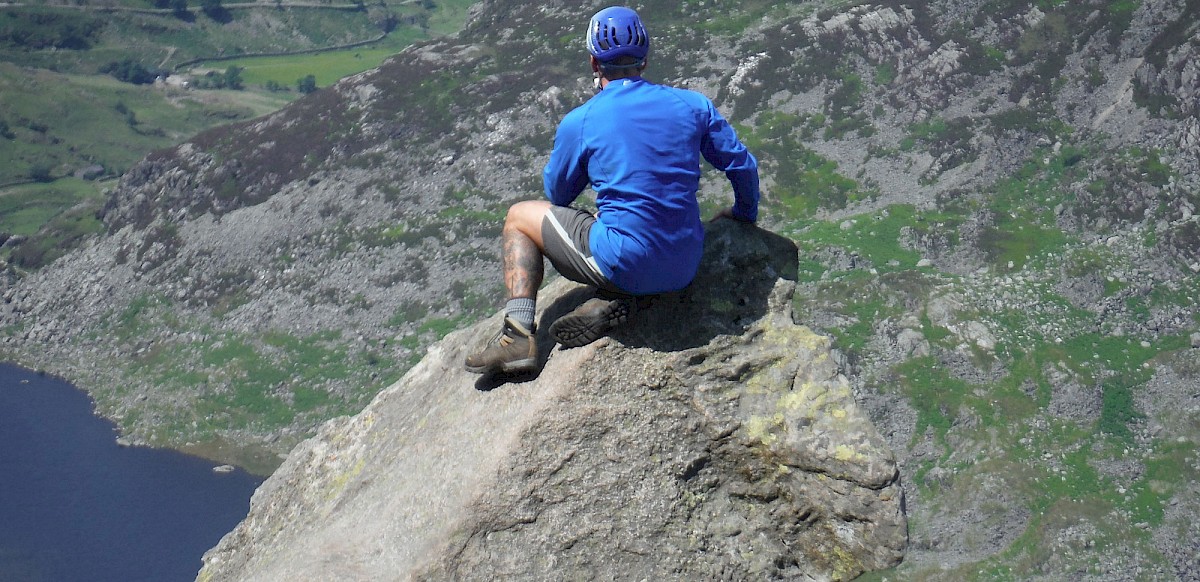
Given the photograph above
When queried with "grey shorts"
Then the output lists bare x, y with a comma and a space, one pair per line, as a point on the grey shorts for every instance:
566, 233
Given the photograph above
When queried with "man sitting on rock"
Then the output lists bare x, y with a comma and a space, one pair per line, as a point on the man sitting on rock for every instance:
638, 145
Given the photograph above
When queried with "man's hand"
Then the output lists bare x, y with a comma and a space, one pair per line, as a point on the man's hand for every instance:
728, 213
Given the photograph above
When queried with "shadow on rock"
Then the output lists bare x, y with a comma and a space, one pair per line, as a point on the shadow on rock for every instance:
738, 278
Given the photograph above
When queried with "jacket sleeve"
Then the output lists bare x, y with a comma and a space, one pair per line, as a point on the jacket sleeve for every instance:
721, 148
566, 174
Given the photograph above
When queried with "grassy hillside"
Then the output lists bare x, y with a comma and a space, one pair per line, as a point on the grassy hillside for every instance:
60, 115
52, 218
58, 122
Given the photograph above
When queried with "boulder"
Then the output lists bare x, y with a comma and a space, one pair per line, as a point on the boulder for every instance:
711, 438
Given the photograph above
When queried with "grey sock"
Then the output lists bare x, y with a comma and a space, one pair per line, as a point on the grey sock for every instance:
520, 310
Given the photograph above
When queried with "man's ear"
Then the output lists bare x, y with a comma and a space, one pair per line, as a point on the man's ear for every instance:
595, 63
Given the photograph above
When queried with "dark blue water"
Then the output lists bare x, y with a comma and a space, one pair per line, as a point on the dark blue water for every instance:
74, 506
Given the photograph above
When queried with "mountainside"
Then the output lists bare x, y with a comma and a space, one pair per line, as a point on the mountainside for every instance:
995, 204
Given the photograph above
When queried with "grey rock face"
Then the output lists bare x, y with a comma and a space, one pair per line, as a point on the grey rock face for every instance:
710, 439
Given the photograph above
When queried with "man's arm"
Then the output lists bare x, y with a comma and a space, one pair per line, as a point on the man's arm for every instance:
565, 175
725, 152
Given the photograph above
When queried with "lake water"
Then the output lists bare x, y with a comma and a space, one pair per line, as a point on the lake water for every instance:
75, 506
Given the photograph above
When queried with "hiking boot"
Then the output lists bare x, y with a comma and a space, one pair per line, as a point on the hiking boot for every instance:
592, 320
513, 350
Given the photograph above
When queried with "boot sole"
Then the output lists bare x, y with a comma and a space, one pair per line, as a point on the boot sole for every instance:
573, 331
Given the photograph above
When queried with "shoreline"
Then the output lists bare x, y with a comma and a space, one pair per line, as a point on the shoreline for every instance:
257, 460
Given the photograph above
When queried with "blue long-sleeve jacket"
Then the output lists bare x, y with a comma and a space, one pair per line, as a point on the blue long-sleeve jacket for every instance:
638, 145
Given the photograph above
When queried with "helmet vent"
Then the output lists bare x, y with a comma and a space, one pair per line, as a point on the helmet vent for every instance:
615, 32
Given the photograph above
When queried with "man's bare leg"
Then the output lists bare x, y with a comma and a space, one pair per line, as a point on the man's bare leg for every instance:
524, 269
522, 255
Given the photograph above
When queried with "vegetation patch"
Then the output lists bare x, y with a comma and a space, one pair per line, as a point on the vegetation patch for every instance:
1169, 470
282, 73
1174, 33
1131, 189
40, 28
843, 107
265, 382
874, 237
949, 141
1024, 225
803, 181
51, 218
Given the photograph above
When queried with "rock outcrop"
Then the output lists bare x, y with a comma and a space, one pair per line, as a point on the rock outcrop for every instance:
713, 438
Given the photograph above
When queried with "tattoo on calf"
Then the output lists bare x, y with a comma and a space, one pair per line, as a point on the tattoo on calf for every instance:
523, 268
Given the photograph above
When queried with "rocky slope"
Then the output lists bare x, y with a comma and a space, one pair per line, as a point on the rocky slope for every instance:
995, 203
713, 439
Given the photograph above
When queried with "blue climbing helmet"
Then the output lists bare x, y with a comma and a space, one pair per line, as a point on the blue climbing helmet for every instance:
616, 32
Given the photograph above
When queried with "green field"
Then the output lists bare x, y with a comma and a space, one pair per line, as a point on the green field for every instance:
25, 209
55, 124
327, 67
449, 16
53, 218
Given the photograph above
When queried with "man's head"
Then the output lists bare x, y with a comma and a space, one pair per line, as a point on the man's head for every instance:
618, 42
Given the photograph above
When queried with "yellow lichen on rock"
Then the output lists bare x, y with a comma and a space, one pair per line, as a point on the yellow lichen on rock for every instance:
761, 428
845, 453
338, 483
846, 566
809, 398
796, 336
